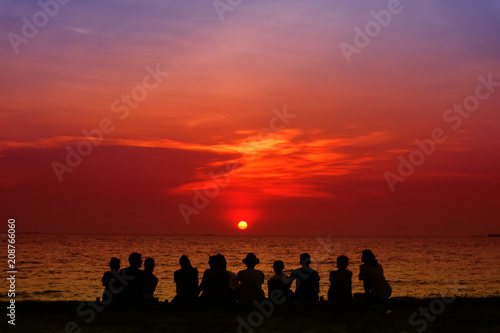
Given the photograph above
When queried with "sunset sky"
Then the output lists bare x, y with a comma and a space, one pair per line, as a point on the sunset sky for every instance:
299, 135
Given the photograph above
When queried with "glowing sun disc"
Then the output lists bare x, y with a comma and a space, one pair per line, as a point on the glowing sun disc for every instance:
242, 225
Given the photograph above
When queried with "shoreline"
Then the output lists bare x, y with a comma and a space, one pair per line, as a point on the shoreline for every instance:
396, 298
394, 315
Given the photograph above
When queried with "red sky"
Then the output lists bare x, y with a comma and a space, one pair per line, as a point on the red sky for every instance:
320, 170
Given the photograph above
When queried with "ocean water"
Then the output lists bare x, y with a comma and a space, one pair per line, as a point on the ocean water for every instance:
69, 267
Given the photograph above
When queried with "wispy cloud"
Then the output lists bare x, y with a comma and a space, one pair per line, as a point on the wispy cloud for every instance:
80, 30
280, 164
205, 120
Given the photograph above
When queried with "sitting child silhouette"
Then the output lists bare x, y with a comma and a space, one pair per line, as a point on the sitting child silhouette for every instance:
340, 281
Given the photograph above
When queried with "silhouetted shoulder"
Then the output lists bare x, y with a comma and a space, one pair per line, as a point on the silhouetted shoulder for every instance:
340, 275
106, 278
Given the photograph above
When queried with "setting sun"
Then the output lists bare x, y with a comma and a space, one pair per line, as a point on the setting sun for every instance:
358, 138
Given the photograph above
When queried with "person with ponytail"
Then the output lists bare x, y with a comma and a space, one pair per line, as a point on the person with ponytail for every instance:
372, 275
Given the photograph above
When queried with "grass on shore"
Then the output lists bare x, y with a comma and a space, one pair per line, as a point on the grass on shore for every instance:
461, 315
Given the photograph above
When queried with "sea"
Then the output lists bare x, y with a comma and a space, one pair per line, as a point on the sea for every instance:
69, 267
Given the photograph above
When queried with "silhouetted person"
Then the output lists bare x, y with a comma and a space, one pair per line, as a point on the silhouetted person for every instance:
279, 281
215, 283
340, 281
132, 292
107, 278
234, 290
372, 275
251, 280
149, 280
186, 282
306, 281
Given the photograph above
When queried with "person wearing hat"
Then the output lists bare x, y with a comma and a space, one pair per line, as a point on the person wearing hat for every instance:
251, 280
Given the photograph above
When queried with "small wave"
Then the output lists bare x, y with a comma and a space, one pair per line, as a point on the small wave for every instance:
30, 262
21, 294
46, 292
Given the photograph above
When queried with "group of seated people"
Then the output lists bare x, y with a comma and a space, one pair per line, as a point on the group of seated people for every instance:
131, 284
220, 286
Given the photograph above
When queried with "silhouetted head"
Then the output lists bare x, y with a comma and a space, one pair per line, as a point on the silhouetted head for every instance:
114, 264
369, 258
342, 262
135, 260
184, 262
212, 261
149, 265
305, 259
278, 266
251, 260
221, 261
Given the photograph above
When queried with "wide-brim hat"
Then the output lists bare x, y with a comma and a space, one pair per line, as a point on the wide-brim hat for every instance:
251, 259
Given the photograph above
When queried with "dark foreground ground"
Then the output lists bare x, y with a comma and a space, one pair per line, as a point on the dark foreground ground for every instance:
396, 315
